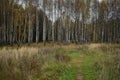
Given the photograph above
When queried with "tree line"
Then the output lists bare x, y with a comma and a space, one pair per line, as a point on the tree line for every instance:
63, 21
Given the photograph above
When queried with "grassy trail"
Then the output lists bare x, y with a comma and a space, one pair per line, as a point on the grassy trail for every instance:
78, 63
77, 59
97, 63
83, 61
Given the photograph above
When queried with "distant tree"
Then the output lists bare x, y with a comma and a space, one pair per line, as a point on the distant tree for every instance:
79, 21
44, 23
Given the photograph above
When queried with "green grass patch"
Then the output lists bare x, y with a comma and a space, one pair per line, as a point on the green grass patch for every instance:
69, 73
87, 67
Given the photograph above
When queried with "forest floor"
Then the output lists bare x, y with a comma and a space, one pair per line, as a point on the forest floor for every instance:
60, 62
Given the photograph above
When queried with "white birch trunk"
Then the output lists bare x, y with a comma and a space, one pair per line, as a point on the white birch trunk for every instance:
11, 29
44, 25
53, 22
25, 27
29, 30
37, 27
44, 30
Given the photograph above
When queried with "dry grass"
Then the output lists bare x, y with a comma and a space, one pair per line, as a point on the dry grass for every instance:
30, 62
108, 62
23, 63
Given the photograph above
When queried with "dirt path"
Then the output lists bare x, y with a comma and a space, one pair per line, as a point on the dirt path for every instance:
77, 63
79, 76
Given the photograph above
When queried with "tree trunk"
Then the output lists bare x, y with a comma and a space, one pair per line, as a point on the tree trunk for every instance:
25, 27
53, 23
37, 27
29, 29
11, 29
4, 30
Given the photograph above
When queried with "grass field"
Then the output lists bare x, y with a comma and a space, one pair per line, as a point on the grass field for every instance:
65, 62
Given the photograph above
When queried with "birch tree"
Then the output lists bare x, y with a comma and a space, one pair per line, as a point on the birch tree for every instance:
44, 23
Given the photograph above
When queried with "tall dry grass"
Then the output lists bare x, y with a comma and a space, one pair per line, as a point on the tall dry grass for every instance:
31, 63
107, 64
23, 63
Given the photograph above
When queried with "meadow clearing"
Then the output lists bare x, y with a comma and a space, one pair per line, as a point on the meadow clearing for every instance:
60, 62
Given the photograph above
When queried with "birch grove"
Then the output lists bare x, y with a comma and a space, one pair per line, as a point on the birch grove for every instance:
63, 21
